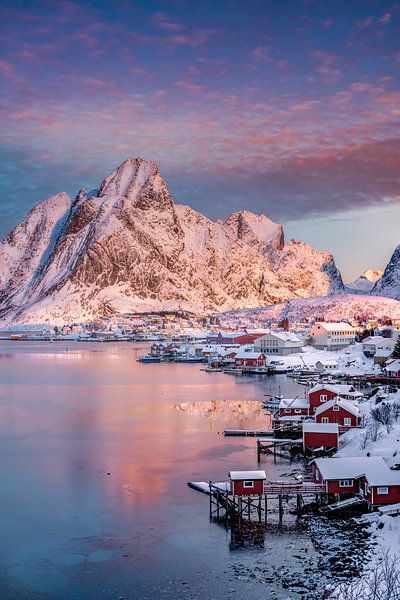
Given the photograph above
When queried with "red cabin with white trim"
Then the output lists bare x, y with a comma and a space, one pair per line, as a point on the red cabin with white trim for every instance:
293, 407
340, 411
247, 483
250, 359
319, 394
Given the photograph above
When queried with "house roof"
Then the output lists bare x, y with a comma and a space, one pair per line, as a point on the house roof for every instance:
339, 389
335, 326
393, 365
350, 467
242, 475
294, 403
320, 428
251, 354
341, 402
287, 336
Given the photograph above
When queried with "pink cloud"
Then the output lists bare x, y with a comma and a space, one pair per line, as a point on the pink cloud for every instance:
261, 54
385, 19
163, 22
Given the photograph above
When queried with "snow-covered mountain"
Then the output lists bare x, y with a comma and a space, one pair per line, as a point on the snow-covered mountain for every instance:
389, 284
337, 307
130, 248
365, 282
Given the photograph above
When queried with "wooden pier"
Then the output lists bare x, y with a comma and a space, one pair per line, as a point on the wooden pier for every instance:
277, 447
254, 508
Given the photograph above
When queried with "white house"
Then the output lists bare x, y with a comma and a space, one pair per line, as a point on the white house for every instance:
281, 343
377, 343
332, 336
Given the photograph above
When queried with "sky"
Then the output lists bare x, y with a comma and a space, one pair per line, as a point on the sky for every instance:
288, 108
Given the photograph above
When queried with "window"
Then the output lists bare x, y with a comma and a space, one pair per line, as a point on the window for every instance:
336, 407
325, 420
287, 410
323, 398
382, 490
347, 421
248, 484
297, 411
346, 483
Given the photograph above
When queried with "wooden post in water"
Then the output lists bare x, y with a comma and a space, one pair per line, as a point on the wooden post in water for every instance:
280, 509
265, 508
210, 500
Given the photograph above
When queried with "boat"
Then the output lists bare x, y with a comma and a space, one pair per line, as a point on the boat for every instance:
213, 370
148, 358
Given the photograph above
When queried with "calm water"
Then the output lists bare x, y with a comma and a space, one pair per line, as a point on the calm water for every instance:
96, 450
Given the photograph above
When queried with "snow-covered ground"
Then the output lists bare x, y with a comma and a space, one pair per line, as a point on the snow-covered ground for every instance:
351, 360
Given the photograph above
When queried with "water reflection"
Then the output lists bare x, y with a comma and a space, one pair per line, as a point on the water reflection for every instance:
95, 452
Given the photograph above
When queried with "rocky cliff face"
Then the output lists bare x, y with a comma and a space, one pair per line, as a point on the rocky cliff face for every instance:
389, 284
130, 248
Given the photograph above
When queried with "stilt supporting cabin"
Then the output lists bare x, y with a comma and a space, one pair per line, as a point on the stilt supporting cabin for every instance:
254, 508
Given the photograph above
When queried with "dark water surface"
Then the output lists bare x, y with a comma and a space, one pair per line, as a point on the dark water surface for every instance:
96, 450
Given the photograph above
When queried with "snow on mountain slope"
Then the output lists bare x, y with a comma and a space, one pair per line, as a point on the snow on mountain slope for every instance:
130, 248
329, 308
365, 282
389, 284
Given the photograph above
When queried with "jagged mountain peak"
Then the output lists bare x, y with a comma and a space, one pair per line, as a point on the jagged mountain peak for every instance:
130, 248
256, 230
131, 173
389, 284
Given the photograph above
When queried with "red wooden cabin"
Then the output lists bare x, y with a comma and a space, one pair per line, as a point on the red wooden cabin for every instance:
320, 394
340, 411
320, 435
247, 483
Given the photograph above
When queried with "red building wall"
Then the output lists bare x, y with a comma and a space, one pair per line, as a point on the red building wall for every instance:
333, 486
393, 497
314, 398
337, 416
239, 490
293, 413
316, 440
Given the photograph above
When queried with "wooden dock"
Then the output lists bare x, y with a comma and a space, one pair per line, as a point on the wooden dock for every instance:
254, 508
277, 447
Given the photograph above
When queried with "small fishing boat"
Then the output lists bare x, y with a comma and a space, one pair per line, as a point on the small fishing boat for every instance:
213, 370
148, 358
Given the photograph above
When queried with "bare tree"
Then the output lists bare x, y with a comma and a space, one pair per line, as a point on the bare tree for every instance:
373, 430
382, 582
383, 414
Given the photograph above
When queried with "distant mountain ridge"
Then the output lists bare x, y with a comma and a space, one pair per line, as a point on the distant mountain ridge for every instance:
365, 282
131, 249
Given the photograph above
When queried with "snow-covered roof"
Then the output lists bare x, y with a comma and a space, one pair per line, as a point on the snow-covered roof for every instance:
327, 362
339, 389
385, 476
242, 475
350, 467
335, 326
393, 366
286, 336
247, 354
345, 404
294, 403
320, 428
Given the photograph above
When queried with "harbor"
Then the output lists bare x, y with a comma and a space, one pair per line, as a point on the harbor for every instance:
126, 438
